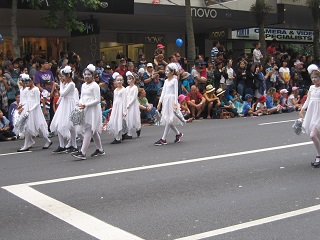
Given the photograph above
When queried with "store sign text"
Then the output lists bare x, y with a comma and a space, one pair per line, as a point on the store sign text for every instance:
203, 13
93, 46
154, 39
273, 33
284, 34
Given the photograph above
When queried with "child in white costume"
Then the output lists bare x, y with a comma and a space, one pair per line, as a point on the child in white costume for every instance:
36, 122
118, 110
90, 103
169, 103
133, 117
60, 123
311, 122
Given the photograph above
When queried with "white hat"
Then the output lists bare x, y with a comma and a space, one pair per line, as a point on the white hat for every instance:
114, 75
67, 69
91, 68
149, 65
128, 73
312, 68
173, 66
141, 70
24, 76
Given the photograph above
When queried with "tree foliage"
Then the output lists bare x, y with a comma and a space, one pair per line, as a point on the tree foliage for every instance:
260, 9
315, 11
68, 8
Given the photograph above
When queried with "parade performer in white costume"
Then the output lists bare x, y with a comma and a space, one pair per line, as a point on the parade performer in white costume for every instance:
36, 123
169, 103
133, 117
60, 123
311, 120
90, 103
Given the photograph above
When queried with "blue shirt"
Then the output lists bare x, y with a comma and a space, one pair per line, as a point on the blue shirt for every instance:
246, 107
6, 122
186, 84
269, 102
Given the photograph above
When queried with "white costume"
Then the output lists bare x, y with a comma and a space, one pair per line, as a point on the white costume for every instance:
60, 123
90, 97
312, 104
118, 108
133, 117
36, 122
169, 97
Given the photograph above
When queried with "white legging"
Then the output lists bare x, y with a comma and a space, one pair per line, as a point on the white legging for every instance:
71, 142
86, 140
167, 129
28, 141
315, 137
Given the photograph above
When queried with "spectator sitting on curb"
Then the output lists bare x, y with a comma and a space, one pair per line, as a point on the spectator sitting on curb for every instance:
272, 105
283, 101
294, 98
184, 108
261, 106
211, 99
196, 102
147, 109
248, 107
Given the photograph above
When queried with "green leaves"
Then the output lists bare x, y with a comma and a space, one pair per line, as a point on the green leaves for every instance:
260, 9
65, 8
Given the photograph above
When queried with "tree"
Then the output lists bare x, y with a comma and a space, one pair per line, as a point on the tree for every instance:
191, 48
315, 11
53, 19
260, 10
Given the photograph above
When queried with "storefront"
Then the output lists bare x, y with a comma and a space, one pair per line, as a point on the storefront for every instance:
296, 39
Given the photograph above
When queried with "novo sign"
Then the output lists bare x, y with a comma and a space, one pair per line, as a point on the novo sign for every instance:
203, 12
274, 33
220, 33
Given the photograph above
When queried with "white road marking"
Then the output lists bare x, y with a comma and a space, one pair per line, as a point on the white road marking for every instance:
167, 164
261, 124
261, 221
74, 217
7, 154
102, 230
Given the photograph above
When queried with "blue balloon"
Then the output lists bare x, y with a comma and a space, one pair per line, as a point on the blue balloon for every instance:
179, 42
0, 37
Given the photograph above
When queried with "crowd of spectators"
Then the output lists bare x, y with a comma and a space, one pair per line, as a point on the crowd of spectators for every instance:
220, 86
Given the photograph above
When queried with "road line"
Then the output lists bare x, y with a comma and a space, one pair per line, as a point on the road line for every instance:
261, 221
7, 154
74, 217
167, 164
261, 124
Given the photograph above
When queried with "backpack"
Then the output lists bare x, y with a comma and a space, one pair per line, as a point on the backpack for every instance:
191, 80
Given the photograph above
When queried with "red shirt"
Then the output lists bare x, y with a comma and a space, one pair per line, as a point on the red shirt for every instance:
271, 50
121, 71
197, 97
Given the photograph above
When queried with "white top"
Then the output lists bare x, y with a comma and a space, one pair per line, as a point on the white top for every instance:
230, 72
90, 96
60, 122
169, 97
256, 55
312, 104
118, 109
133, 117
36, 121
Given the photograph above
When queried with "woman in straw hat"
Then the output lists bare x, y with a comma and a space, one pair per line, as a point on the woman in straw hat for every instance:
211, 99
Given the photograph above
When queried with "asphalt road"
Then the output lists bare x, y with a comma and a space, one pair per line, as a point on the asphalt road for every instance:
228, 179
